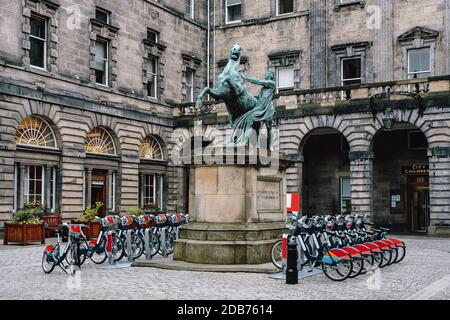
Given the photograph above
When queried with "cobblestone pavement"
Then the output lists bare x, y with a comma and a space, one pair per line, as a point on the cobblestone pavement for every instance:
425, 273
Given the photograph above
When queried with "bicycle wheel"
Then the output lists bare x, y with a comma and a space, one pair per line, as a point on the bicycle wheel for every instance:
369, 262
170, 239
276, 254
378, 259
401, 254
337, 265
98, 255
137, 246
154, 244
387, 257
48, 263
358, 266
118, 249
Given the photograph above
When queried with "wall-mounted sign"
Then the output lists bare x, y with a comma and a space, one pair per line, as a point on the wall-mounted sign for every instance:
293, 202
98, 183
415, 170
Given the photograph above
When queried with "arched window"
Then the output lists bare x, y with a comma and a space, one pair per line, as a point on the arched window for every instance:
35, 131
100, 141
151, 149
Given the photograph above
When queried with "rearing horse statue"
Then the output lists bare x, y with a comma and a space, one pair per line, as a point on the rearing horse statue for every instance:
245, 112
230, 88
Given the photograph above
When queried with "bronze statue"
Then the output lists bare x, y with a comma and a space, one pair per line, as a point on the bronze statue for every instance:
245, 112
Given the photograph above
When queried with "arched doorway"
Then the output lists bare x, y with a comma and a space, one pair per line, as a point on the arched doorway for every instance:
102, 166
153, 181
401, 179
326, 173
36, 163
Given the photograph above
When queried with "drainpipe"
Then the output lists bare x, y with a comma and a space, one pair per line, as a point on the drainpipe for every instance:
208, 45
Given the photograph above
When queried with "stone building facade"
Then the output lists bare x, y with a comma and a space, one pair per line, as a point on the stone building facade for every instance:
362, 102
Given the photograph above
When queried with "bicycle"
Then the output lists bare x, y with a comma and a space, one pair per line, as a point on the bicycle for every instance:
55, 256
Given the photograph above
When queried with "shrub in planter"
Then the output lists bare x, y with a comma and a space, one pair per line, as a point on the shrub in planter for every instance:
25, 227
87, 218
151, 208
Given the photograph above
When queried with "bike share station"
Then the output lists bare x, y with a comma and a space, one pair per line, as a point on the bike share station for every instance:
292, 254
129, 234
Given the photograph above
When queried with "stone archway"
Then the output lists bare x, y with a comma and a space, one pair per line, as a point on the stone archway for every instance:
325, 172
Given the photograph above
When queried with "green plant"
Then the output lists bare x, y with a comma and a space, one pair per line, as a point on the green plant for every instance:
135, 211
27, 215
90, 213
151, 207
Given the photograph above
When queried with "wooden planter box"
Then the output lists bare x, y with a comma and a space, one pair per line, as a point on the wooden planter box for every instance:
53, 222
24, 233
93, 230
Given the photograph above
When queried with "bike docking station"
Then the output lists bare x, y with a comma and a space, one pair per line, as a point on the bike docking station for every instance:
147, 244
292, 267
109, 252
163, 243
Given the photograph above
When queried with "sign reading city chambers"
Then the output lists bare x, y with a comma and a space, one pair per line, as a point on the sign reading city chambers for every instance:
415, 170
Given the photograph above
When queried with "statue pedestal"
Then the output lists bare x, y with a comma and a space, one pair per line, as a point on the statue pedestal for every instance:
237, 212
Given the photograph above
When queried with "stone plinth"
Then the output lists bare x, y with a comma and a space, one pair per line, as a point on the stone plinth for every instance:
237, 212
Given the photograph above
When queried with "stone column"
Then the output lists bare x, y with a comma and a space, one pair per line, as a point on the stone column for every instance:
88, 187
108, 186
48, 188
318, 43
439, 190
361, 177
382, 23
21, 185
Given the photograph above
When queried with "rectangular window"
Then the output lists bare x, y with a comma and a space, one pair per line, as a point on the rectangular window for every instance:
190, 85
152, 35
52, 204
346, 195
33, 185
38, 42
351, 71
102, 15
285, 6
101, 62
419, 63
233, 11
153, 190
285, 78
152, 77
190, 5
149, 189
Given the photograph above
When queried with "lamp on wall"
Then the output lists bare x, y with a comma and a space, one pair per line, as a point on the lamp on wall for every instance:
388, 119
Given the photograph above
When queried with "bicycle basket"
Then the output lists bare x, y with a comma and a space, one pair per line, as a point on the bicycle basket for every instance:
110, 221
161, 220
147, 220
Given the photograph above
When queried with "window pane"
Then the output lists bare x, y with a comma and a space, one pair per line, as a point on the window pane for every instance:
351, 69
286, 77
285, 6
419, 60
189, 77
37, 52
234, 13
425, 60
346, 190
152, 36
100, 64
100, 50
231, 2
101, 16
100, 76
151, 68
37, 27
38, 172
